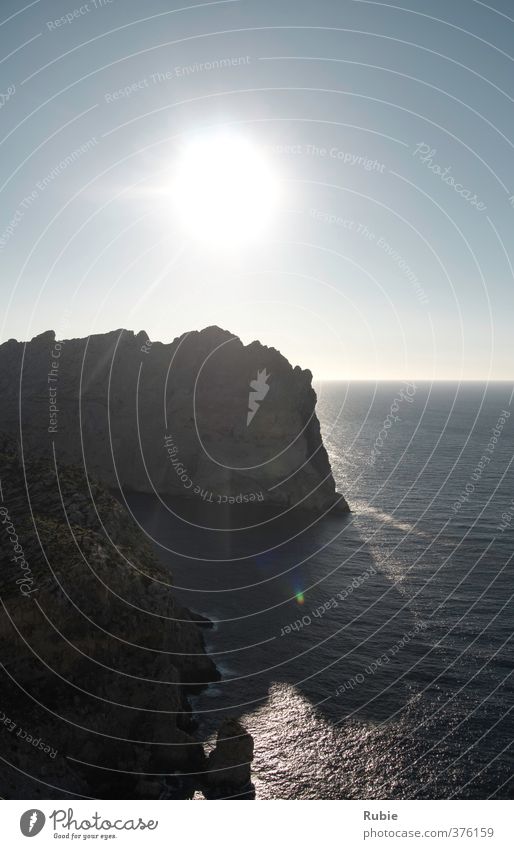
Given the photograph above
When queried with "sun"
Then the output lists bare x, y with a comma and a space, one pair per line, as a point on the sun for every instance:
224, 190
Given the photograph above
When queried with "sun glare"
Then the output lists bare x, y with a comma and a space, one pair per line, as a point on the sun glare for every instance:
224, 191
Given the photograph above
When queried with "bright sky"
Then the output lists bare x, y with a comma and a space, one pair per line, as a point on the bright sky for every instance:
385, 133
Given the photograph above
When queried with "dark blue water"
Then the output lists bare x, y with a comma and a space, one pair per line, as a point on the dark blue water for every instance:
371, 656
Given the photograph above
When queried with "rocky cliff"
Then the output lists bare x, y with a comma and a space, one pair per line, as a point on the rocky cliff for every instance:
204, 417
97, 655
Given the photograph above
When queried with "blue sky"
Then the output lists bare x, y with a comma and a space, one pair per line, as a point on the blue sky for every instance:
389, 126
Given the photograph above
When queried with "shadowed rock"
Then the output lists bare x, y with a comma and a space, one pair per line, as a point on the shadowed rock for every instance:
97, 655
229, 763
204, 418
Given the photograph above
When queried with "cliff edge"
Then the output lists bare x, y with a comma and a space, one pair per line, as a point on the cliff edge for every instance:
204, 417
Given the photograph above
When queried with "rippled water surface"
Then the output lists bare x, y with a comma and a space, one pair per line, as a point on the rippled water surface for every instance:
371, 656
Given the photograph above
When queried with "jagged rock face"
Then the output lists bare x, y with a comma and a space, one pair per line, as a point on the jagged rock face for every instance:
204, 417
230, 762
99, 652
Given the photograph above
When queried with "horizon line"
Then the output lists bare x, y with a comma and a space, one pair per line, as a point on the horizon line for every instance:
415, 379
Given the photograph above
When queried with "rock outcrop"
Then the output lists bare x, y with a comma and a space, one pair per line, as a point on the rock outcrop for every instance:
97, 655
230, 763
204, 417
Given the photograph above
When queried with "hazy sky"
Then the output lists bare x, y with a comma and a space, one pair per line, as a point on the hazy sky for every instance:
389, 128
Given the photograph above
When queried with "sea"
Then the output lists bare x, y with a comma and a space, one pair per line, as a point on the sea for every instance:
370, 655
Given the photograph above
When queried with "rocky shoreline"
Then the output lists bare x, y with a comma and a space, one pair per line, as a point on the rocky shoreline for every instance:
98, 656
